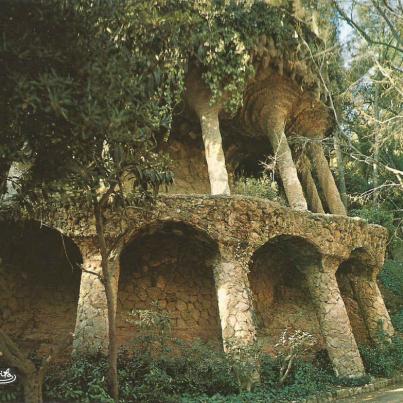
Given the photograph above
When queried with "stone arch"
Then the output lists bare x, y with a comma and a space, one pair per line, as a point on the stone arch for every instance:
281, 295
39, 284
170, 262
357, 280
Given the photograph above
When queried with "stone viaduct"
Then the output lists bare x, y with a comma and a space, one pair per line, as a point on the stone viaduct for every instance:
224, 267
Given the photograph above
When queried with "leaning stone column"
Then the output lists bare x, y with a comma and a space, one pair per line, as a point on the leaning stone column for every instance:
309, 185
372, 306
236, 314
199, 97
282, 153
91, 331
326, 179
334, 322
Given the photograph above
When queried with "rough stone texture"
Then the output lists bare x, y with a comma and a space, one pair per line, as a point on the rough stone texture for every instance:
372, 307
334, 321
357, 322
281, 298
173, 270
230, 235
234, 301
38, 285
91, 331
189, 167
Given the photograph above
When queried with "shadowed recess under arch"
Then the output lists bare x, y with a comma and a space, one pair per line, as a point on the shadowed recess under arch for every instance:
281, 296
39, 285
170, 263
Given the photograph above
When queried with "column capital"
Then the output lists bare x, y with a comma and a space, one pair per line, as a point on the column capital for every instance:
330, 263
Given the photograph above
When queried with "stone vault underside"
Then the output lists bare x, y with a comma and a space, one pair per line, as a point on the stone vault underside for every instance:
231, 269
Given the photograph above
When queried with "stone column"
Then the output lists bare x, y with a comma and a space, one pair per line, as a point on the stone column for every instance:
308, 183
285, 163
326, 180
372, 306
199, 97
91, 331
235, 307
333, 319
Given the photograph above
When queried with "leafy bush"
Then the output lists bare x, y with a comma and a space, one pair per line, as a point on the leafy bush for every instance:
385, 360
262, 187
82, 379
392, 276
397, 320
196, 368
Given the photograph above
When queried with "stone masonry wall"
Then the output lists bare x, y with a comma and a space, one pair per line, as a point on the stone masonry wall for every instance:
172, 271
281, 299
39, 290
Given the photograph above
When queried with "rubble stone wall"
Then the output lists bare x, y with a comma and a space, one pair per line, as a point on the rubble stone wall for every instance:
172, 271
192, 254
38, 287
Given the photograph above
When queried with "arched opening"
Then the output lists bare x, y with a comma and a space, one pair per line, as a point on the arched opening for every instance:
170, 263
39, 284
281, 296
358, 265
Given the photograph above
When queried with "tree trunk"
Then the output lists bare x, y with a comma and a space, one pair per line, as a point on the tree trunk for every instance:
107, 278
4, 170
32, 377
375, 173
340, 169
215, 157
312, 195
326, 180
32, 385
286, 167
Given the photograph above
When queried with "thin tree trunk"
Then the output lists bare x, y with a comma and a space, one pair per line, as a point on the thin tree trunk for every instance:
340, 169
326, 179
32, 386
375, 173
4, 170
286, 167
215, 157
32, 377
107, 279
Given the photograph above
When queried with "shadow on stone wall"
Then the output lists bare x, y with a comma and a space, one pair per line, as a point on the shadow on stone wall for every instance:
281, 296
353, 310
39, 284
170, 263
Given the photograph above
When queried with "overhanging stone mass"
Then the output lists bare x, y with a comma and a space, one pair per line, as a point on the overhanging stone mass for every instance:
230, 269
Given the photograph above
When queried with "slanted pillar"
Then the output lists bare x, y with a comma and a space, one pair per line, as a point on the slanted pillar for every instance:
91, 331
199, 97
284, 162
235, 307
312, 195
372, 306
333, 319
326, 180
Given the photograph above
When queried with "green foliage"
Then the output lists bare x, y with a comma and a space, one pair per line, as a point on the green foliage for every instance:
385, 360
262, 186
10, 393
392, 277
397, 320
374, 215
82, 379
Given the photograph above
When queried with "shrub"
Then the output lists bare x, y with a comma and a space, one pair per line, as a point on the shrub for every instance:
392, 277
262, 186
385, 360
82, 379
397, 320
